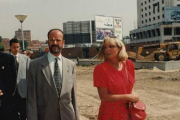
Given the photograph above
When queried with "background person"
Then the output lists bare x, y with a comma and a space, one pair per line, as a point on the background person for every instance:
46, 50
29, 54
7, 85
52, 84
114, 87
20, 94
24, 52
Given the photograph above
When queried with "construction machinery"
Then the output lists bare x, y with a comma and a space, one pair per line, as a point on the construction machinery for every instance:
168, 51
165, 51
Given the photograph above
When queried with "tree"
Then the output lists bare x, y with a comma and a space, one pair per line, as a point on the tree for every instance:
0, 39
25, 44
2, 48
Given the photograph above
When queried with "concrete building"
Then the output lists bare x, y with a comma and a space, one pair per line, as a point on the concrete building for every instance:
79, 33
27, 35
152, 26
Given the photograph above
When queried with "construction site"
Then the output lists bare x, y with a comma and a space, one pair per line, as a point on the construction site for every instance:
157, 81
158, 89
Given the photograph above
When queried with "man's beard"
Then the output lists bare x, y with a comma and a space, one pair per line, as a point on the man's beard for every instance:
57, 49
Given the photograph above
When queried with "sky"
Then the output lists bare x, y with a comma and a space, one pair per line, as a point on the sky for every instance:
43, 15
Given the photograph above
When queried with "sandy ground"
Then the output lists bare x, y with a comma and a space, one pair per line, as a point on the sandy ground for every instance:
160, 90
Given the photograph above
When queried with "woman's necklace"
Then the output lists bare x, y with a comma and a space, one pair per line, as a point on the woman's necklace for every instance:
117, 67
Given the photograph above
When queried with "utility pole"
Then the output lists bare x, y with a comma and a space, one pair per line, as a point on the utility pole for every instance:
134, 24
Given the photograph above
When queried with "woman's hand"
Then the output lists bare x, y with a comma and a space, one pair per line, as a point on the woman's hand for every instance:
1, 93
134, 97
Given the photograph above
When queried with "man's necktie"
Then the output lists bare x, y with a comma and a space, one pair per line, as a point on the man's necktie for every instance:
16, 63
57, 77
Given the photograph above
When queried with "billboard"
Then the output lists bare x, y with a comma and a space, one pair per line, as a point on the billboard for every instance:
104, 22
172, 14
107, 26
118, 27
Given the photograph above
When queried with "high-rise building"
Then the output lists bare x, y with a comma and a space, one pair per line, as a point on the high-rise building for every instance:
152, 23
79, 32
27, 35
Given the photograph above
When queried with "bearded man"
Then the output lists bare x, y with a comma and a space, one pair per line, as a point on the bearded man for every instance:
51, 84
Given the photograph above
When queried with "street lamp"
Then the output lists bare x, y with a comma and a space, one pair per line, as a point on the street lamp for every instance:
21, 18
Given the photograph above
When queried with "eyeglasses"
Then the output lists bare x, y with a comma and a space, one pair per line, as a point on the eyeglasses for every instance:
53, 40
110, 47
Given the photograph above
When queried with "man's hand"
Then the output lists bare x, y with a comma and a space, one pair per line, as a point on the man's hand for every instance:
1, 93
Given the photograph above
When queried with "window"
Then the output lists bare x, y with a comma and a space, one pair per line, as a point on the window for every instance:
154, 18
158, 9
149, 1
167, 31
178, 5
162, 1
141, 4
158, 17
145, 8
162, 15
142, 22
149, 13
142, 10
162, 8
142, 16
146, 14
149, 7
145, 2
177, 31
146, 21
149, 19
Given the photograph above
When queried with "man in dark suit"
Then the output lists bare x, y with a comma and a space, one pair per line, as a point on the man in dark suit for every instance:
20, 94
7, 85
52, 84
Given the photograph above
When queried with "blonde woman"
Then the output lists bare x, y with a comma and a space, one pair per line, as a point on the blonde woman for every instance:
114, 79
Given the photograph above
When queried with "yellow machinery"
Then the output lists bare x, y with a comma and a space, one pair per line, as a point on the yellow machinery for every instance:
166, 51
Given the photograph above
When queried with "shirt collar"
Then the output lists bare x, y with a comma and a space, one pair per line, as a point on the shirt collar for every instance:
15, 55
51, 57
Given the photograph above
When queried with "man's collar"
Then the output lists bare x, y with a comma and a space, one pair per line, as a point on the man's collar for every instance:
15, 55
52, 57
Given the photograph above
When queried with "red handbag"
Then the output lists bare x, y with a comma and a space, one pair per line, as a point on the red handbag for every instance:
137, 111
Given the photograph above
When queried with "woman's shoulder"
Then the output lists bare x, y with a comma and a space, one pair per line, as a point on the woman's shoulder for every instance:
129, 62
102, 66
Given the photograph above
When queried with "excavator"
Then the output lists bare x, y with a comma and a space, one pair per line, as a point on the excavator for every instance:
165, 52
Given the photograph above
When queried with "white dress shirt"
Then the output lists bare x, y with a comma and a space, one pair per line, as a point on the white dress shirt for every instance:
16, 56
51, 59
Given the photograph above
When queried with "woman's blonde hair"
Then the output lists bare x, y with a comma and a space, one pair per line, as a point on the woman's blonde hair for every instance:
122, 54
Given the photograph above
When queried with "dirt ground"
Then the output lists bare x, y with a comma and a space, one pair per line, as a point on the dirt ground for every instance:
160, 90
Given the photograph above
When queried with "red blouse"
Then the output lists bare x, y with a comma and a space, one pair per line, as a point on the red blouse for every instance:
106, 76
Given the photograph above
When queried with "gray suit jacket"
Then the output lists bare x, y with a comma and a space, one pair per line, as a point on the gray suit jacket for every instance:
42, 100
22, 75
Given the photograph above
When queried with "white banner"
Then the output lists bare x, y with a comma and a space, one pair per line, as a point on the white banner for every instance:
118, 28
104, 22
172, 13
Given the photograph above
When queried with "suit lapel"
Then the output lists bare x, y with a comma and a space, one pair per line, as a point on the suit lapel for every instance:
20, 61
47, 73
65, 71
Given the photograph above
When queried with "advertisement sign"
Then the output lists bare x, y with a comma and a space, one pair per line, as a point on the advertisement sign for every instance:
104, 22
102, 33
108, 26
118, 27
172, 13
